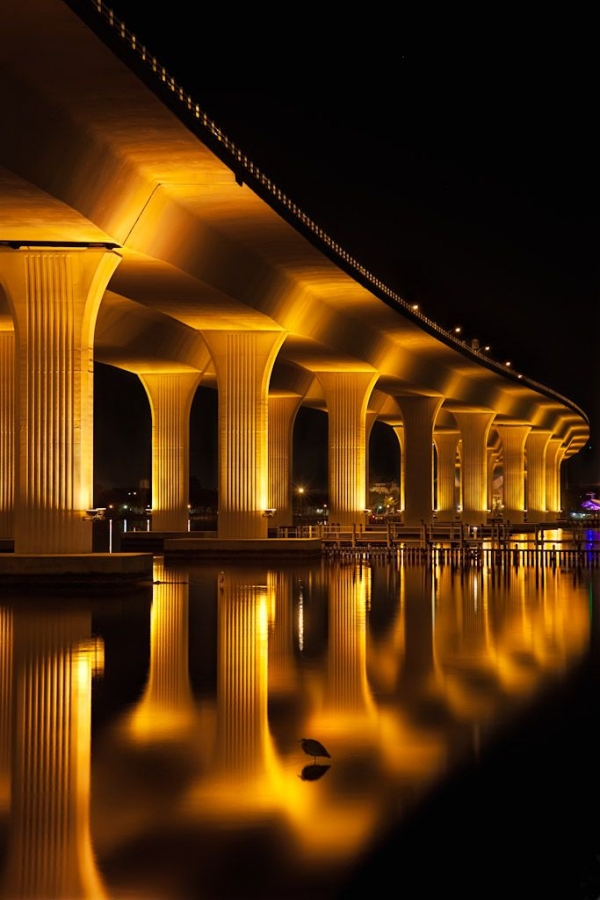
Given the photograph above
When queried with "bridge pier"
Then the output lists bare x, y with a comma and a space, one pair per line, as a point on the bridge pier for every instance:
54, 294
243, 362
171, 396
347, 394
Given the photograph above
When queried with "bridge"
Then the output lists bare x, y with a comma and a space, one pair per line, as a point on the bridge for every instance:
134, 233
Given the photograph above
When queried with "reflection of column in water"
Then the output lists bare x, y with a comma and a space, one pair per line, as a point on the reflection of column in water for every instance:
49, 845
167, 708
6, 645
419, 618
347, 689
466, 649
243, 741
385, 648
544, 629
498, 642
283, 679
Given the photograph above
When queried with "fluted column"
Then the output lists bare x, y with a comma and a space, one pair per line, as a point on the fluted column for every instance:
555, 454
419, 414
399, 432
283, 409
7, 433
474, 429
171, 395
243, 363
492, 457
347, 395
445, 445
370, 419
54, 295
50, 852
513, 439
535, 448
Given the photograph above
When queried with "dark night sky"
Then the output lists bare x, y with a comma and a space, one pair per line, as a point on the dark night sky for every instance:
466, 182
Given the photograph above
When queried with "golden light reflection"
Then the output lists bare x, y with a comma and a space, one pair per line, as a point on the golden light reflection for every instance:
247, 779
49, 850
6, 649
401, 679
166, 711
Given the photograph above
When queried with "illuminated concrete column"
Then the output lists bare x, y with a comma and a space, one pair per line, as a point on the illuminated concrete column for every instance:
347, 395
513, 439
555, 453
474, 429
243, 363
419, 414
50, 852
7, 433
370, 419
283, 409
535, 448
445, 445
244, 747
492, 457
171, 395
399, 432
54, 295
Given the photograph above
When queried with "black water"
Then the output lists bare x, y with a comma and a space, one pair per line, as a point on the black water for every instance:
524, 824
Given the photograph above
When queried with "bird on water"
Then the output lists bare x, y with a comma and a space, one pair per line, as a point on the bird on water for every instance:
314, 748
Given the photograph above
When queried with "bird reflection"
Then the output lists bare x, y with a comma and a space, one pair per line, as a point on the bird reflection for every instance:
313, 772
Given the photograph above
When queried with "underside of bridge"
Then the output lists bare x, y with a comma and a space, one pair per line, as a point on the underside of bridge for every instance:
135, 234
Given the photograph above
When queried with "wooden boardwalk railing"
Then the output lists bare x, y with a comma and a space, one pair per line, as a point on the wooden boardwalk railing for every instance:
453, 542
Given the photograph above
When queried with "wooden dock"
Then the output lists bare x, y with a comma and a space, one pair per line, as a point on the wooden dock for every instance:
501, 544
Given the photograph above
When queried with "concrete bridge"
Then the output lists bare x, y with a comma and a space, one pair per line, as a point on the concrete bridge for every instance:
135, 234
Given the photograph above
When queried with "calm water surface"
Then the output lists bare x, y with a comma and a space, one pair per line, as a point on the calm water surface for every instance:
150, 741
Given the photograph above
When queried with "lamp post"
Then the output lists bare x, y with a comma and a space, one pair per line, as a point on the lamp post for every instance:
301, 505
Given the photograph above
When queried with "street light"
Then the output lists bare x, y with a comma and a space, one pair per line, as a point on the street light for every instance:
301, 502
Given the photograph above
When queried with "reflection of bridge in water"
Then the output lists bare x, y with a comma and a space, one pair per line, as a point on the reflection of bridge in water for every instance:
135, 234
199, 690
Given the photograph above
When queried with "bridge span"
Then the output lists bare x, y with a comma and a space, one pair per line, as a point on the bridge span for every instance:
134, 233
